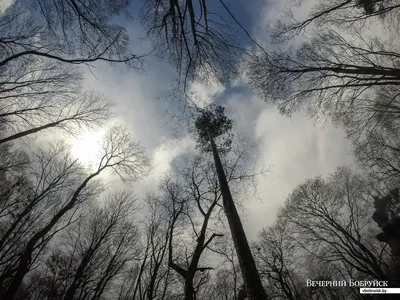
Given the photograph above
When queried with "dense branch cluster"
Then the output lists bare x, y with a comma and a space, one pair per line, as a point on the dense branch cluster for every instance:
344, 66
199, 41
213, 122
346, 71
66, 235
63, 233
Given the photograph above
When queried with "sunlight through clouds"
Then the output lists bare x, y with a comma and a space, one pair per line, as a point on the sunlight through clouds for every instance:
86, 147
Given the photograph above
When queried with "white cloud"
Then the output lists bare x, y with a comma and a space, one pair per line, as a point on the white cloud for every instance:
167, 151
296, 149
4, 4
161, 159
293, 149
204, 93
138, 101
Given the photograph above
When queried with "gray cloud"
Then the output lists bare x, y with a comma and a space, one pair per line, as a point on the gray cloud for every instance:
294, 147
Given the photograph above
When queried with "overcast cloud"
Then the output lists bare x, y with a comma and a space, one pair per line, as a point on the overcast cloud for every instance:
293, 148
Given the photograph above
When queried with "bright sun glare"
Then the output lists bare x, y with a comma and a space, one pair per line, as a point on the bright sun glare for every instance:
86, 147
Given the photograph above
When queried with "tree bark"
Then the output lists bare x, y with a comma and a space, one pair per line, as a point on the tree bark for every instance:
252, 281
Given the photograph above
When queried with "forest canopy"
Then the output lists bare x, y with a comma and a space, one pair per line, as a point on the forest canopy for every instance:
173, 221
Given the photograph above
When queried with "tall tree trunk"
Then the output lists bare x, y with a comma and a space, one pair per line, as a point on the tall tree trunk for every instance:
252, 281
189, 289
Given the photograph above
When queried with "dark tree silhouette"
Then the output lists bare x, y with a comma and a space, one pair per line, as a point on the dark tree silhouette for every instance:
213, 124
198, 39
119, 155
353, 82
323, 233
65, 31
331, 219
103, 245
226, 282
339, 13
26, 117
50, 173
23, 82
329, 74
386, 216
275, 255
157, 249
198, 203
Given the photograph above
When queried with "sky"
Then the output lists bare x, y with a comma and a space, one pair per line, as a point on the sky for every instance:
293, 149
4, 4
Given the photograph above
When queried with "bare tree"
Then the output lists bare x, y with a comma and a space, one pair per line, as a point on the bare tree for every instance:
40, 42
29, 204
340, 13
380, 156
226, 281
69, 114
330, 74
220, 287
342, 70
120, 155
65, 266
352, 81
198, 40
157, 273
69, 32
13, 161
150, 277
103, 244
377, 144
331, 220
50, 280
324, 232
197, 204
276, 257
213, 124
34, 80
